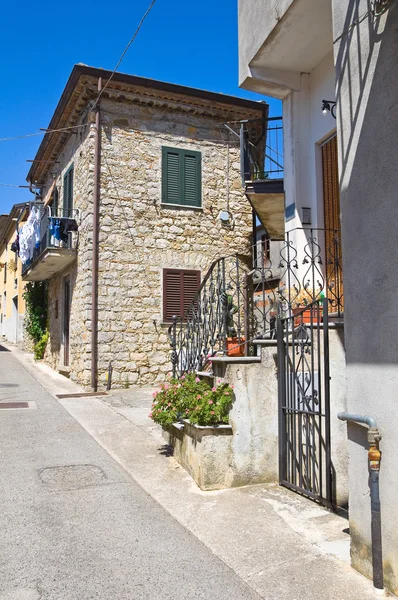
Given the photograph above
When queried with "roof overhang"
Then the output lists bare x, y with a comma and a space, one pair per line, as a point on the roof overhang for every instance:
82, 87
284, 48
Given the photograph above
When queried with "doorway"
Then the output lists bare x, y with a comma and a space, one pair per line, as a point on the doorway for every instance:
67, 302
332, 223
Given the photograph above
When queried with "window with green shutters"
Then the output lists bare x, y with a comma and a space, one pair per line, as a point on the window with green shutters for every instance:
68, 193
181, 177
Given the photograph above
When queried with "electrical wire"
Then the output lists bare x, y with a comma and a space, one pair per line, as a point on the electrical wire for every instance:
28, 135
372, 11
10, 185
124, 52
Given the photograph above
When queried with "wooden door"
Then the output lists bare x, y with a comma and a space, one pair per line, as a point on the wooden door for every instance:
67, 300
331, 203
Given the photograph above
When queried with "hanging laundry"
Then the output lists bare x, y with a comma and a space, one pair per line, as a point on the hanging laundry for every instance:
67, 225
29, 235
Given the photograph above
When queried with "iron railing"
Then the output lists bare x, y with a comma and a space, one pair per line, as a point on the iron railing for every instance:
50, 220
239, 302
215, 321
261, 144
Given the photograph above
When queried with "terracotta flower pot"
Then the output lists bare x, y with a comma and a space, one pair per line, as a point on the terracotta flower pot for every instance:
305, 316
235, 346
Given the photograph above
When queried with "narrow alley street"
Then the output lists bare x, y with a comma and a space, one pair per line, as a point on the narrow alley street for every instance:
92, 507
75, 525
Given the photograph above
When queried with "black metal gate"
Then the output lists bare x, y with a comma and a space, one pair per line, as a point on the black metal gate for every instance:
304, 402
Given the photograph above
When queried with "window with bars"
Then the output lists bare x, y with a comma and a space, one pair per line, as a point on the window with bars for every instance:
181, 177
68, 193
179, 289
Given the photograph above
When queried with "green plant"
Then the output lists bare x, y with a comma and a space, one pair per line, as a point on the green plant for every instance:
40, 346
127, 383
193, 399
35, 297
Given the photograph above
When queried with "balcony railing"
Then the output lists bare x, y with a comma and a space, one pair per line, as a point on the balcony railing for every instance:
57, 230
239, 302
261, 143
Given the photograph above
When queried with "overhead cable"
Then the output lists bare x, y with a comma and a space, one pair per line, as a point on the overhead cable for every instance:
124, 52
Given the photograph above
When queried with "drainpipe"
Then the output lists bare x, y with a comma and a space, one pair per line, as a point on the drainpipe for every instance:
374, 457
94, 280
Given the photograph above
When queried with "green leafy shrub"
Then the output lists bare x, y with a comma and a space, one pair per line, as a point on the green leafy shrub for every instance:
35, 297
40, 346
193, 399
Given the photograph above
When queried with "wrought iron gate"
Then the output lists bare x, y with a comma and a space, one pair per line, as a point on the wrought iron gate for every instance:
304, 402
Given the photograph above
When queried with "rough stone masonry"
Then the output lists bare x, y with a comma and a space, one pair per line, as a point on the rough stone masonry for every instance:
139, 237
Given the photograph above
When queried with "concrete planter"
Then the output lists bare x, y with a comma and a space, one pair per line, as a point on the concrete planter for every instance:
204, 451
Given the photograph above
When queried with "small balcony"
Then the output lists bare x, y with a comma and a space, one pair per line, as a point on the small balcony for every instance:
56, 248
261, 143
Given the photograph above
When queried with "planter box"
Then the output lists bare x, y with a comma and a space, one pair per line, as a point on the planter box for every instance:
204, 451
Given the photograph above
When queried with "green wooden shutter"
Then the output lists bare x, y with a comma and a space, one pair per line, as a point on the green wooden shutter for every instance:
171, 176
192, 178
181, 177
68, 193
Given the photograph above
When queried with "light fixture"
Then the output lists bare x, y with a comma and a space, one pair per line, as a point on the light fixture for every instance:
329, 106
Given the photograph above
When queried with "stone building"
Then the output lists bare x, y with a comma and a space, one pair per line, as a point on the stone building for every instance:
146, 195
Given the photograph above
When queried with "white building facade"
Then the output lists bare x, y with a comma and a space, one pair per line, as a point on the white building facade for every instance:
305, 52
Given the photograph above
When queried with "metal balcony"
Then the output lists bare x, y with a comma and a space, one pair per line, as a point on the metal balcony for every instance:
57, 247
261, 143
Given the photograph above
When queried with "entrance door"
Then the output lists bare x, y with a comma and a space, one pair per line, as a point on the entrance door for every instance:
331, 205
304, 405
67, 299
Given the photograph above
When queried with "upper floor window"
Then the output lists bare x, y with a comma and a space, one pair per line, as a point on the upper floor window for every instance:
54, 204
68, 193
181, 177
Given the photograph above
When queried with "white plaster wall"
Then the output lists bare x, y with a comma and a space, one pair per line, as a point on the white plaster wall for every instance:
367, 118
305, 127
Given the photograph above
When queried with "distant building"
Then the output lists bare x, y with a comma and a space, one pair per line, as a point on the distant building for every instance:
11, 284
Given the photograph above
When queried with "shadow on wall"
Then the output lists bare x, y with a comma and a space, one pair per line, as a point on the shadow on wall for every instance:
367, 93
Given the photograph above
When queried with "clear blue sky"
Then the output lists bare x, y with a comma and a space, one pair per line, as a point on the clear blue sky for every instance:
190, 43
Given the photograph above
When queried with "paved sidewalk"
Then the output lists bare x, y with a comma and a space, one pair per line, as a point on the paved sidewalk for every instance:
284, 546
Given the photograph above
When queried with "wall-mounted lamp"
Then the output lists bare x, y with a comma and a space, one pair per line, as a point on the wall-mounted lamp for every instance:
329, 106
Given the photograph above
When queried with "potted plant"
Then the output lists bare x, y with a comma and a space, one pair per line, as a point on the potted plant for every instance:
303, 299
235, 344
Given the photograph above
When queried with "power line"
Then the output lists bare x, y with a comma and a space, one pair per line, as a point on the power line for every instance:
377, 9
124, 52
28, 135
10, 185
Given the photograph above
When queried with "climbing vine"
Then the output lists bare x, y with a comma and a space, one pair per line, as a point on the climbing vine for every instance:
36, 313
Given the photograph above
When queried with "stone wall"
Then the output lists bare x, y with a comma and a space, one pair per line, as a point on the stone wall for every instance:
139, 237
79, 150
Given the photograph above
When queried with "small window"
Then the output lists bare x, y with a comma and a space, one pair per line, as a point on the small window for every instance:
181, 177
179, 289
54, 204
68, 193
